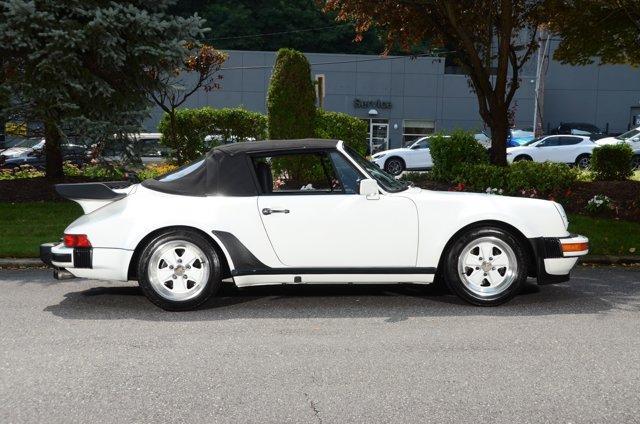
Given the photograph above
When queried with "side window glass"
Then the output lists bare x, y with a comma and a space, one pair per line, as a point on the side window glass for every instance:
549, 142
348, 175
308, 173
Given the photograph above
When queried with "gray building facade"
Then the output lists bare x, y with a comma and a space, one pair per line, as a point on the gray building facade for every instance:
403, 98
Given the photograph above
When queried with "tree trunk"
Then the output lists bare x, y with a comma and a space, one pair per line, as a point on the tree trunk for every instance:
174, 137
499, 133
52, 136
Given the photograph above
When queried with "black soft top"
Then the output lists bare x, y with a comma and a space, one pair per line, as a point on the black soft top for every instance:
227, 170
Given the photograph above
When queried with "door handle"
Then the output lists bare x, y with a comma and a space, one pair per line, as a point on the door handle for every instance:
269, 211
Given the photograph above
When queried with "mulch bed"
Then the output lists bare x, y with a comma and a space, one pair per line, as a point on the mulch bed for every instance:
35, 189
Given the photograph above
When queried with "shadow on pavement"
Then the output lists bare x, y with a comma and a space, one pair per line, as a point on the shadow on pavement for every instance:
593, 291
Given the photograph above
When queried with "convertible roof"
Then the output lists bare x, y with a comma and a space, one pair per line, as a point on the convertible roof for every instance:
227, 170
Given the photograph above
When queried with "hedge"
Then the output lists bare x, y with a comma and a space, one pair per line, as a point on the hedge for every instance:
341, 126
193, 125
451, 153
612, 162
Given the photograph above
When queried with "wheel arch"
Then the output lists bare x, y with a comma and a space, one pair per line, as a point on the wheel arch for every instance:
523, 156
133, 263
515, 232
400, 158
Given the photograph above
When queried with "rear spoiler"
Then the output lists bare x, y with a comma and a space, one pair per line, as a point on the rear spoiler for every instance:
92, 196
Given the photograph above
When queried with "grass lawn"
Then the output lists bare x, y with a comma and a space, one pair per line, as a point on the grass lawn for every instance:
25, 225
607, 236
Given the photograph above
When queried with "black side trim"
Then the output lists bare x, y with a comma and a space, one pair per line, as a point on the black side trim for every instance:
241, 256
547, 248
82, 257
97, 191
282, 271
61, 257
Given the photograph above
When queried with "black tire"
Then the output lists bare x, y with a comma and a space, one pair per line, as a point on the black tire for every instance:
635, 163
211, 286
583, 161
394, 165
453, 277
523, 158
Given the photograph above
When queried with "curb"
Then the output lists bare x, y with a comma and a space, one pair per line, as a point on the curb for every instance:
589, 259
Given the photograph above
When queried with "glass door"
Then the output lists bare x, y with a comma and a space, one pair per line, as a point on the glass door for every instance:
378, 135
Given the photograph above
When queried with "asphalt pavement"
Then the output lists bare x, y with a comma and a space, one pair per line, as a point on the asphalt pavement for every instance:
94, 351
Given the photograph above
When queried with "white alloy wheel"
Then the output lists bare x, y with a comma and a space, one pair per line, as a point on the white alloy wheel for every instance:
487, 266
178, 270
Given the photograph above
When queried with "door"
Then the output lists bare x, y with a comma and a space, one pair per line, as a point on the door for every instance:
546, 150
419, 156
378, 135
314, 217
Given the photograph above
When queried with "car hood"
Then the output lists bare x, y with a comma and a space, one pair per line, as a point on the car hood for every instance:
608, 141
541, 216
16, 151
391, 151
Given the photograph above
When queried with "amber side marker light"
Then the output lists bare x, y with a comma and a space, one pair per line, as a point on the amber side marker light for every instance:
574, 247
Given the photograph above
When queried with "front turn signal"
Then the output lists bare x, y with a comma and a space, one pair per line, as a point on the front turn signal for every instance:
574, 247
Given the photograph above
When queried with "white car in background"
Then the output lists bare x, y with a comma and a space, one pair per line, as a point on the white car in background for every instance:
415, 157
569, 149
631, 138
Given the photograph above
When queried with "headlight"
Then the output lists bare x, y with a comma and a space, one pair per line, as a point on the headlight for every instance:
379, 155
509, 154
563, 214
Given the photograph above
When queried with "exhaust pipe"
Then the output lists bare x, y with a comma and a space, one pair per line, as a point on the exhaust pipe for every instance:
62, 274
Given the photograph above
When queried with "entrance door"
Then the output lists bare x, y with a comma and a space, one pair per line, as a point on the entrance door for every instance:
378, 135
635, 117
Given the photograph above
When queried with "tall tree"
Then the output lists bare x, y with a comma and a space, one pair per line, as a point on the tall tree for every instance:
608, 30
291, 101
69, 61
491, 40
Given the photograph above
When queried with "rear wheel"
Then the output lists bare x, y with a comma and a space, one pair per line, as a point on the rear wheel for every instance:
583, 161
179, 270
523, 158
486, 266
394, 166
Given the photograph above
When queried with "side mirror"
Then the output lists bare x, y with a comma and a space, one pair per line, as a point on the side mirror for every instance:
369, 188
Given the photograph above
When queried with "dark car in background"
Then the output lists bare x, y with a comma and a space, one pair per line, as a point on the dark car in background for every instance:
31, 152
578, 128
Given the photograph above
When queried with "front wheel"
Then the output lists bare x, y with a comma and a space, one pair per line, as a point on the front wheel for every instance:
394, 166
583, 161
179, 270
486, 266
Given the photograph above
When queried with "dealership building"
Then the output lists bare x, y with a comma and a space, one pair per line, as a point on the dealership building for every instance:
403, 98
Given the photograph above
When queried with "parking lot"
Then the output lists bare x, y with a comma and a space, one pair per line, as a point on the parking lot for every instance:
92, 351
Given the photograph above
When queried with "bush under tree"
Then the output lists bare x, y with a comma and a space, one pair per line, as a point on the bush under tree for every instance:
612, 162
342, 126
451, 153
291, 98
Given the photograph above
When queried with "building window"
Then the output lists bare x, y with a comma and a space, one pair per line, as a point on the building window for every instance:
413, 129
320, 90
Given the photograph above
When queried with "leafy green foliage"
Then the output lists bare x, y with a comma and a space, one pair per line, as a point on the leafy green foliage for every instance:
342, 126
449, 154
543, 178
530, 179
602, 29
291, 98
234, 23
612, 162
71, 61
193, 125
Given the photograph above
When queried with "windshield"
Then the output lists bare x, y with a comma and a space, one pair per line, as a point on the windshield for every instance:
529, 143
386, 181
28, 142
628, 135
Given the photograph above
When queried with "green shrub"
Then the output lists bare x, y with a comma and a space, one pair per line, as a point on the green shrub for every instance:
612, 162
193, 125
291, 98
341, 126
156, 170
449, 154
22, 171
543, 178
480, 177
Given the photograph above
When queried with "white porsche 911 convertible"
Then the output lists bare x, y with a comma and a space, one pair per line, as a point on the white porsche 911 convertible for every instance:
306, 212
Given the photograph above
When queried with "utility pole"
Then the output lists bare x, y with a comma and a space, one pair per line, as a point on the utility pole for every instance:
544, 41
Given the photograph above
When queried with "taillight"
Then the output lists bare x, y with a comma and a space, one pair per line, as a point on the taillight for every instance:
76, 240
